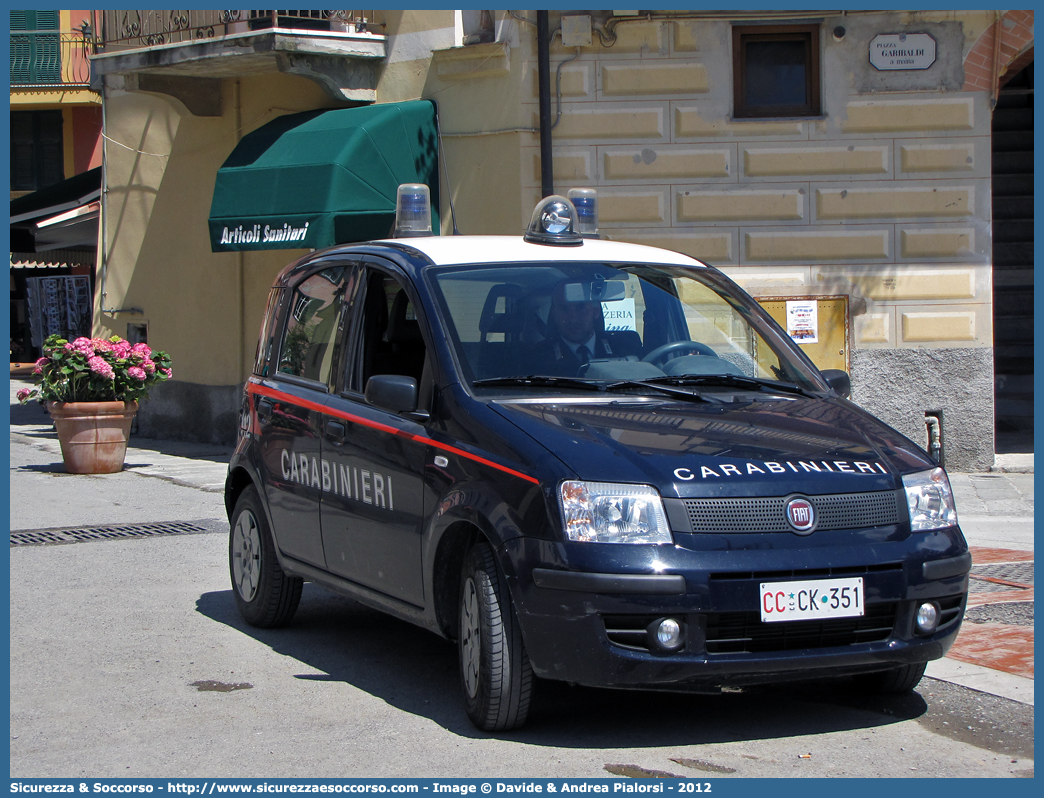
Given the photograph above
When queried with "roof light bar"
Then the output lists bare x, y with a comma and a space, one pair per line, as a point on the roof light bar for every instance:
585, 200
554, 222
412, 211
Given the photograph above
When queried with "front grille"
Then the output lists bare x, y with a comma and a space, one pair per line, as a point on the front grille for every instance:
744, 632
768, 514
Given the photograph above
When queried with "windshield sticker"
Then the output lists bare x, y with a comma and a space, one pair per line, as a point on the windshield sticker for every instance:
361, 484
786, 467
619, 315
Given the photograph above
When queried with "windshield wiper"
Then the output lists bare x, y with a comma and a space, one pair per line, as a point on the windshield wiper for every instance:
733, 381
664, 389
538, 381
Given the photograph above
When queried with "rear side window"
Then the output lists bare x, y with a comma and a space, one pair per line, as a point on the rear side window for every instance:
311, 338
263, 356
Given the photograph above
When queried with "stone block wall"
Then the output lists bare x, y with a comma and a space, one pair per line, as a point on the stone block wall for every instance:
885, 199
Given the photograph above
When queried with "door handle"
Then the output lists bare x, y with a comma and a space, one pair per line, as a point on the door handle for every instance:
336, 432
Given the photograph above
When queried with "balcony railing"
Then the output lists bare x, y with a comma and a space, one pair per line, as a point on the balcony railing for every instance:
50, 58
121, 29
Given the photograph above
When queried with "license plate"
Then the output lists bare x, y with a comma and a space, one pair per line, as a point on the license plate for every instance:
811, 600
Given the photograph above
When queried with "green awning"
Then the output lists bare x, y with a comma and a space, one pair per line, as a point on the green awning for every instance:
319, 178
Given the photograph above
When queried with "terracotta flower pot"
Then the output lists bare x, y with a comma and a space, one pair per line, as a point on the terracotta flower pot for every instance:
93, 435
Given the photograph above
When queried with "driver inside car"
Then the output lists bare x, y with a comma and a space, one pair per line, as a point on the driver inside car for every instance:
575, 334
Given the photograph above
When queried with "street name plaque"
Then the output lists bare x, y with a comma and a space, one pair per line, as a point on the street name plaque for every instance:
902, 51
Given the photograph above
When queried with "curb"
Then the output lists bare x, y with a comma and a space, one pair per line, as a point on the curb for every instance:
982, 679
1012, 463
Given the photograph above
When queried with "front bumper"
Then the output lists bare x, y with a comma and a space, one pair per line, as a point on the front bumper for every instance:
586, 610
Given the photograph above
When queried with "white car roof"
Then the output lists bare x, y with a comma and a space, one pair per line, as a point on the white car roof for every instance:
459, 250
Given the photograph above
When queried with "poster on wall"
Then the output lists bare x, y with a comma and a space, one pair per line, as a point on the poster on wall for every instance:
803, 321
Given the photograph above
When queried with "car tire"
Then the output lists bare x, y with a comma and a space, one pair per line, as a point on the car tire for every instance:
265, 595
896, 680
495, 674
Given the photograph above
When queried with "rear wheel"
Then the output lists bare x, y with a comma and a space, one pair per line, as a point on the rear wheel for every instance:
266, 596
495, 674
896, 680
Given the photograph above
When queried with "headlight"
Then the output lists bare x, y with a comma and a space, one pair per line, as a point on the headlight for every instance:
606, 512
930, 499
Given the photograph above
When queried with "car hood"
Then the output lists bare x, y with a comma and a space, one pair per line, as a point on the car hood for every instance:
760, 446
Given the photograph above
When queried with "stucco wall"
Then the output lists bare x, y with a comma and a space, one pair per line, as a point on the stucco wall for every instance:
185, 411
899, 385
485, 126
204, 308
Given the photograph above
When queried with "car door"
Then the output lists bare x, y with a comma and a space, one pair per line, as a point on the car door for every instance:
289, 405
373, 511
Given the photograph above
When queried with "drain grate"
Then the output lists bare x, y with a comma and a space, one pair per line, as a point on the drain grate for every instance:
44, 537
996, 577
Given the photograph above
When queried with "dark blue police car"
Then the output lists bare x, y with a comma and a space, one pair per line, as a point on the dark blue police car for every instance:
587, 461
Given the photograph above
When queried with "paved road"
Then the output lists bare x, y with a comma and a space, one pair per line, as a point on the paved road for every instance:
128, 658
114, 645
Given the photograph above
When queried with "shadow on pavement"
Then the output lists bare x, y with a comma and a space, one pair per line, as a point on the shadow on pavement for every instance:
32, 414
47, 468
416, 672
37, 423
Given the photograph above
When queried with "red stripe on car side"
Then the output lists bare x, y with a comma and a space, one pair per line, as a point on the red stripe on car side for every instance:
253, 387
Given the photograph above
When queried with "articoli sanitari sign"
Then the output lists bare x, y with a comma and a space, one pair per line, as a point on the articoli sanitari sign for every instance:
902, 51
262, 234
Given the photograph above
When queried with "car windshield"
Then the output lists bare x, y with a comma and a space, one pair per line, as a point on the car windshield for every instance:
612, 323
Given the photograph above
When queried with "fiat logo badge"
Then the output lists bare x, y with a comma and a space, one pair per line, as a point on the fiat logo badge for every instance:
801, 515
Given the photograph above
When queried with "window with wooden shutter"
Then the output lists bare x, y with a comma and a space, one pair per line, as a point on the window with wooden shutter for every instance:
37, 150
35, 52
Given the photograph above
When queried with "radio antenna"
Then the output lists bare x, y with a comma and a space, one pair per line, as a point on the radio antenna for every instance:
445, 168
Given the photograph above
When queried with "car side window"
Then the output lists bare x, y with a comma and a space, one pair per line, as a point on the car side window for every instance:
389, 337
265, 340
311, 338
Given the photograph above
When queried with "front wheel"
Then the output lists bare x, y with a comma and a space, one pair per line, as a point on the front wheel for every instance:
266, 596
896, 680
495, 674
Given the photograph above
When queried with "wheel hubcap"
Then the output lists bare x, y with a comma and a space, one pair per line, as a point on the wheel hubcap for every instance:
246, 555
470, 641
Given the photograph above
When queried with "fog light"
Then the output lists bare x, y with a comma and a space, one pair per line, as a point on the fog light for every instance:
669, 633
927, 618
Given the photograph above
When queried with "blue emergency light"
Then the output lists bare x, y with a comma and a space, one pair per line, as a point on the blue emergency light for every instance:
412, 211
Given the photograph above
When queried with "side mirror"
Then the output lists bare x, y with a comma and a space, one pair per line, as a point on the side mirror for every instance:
392, 392
839, 381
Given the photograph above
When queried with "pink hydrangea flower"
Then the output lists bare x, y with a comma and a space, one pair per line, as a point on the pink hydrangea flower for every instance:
122, 349
101, 367
23, 394
40, 364
136, 373
168, 373
101, 345
149, 366
141, 350
85, 346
